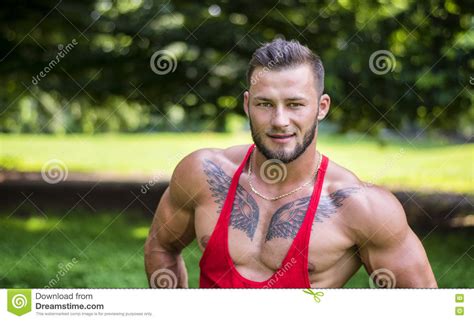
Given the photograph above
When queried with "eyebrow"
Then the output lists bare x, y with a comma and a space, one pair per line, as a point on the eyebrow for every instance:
262, 98
287, 99
296, 98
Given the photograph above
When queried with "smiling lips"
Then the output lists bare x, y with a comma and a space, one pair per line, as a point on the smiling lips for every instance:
280, 135
281, 138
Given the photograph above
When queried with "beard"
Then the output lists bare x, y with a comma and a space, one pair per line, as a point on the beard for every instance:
282, 155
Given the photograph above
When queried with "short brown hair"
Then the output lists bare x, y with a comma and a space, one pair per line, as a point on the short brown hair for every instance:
280, 54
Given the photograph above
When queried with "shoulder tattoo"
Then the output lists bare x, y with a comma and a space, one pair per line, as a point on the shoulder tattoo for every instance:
328, 204
287, 220
245, 212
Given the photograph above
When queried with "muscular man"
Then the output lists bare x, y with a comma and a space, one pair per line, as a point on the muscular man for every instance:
278, 213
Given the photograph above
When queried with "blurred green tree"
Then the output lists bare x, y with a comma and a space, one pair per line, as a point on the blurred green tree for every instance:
403, 65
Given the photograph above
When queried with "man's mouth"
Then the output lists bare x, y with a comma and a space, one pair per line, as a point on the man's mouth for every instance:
281, 138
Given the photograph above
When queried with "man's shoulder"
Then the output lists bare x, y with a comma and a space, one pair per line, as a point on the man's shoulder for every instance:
221, 156
192, 172
370, 208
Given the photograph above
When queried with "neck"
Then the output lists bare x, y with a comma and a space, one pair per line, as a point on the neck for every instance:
298, 172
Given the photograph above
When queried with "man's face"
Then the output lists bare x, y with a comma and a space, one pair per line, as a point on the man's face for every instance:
282, 107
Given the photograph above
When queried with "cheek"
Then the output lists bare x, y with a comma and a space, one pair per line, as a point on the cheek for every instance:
305, 123
260, 118
258, 123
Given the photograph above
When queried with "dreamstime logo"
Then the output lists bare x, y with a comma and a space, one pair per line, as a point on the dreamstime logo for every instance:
63, 51
281, 272
54, 171
19, 301
382, 62
471, 80
163, 62
382, 278
63, 270
146, 187
273, 171
163, 278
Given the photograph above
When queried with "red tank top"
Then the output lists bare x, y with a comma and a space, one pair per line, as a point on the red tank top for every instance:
217, 268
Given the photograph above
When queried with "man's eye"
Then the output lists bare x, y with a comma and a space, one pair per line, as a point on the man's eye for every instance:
264, 104
295, 105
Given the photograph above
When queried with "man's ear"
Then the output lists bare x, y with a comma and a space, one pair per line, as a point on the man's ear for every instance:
324, 105
246, 102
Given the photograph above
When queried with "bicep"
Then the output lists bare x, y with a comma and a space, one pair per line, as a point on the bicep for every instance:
173, 225
388, 246
401, 261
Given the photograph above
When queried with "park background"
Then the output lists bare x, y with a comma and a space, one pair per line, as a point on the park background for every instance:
99, 101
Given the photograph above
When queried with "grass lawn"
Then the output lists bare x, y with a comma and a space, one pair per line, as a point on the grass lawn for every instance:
106, 251
399, 164
86, 249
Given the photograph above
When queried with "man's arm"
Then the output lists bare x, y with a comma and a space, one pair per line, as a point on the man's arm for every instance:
390, 251
172, 230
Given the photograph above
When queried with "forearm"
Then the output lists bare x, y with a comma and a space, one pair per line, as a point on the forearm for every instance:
165, 269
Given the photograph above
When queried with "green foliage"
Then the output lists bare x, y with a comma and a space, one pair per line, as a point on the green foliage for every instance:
105, 82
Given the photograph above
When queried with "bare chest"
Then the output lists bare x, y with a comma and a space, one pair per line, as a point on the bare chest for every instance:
261, 234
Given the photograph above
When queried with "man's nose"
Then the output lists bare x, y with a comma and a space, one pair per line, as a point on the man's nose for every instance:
280, 117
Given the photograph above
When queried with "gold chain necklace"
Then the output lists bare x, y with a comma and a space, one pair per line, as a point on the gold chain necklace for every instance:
286, 194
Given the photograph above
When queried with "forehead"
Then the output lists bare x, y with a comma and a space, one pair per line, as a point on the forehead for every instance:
284, 82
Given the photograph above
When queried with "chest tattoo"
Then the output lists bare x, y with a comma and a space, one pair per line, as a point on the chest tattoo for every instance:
285, 222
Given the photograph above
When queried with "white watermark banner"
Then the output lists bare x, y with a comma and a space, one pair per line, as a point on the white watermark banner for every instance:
237, 304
